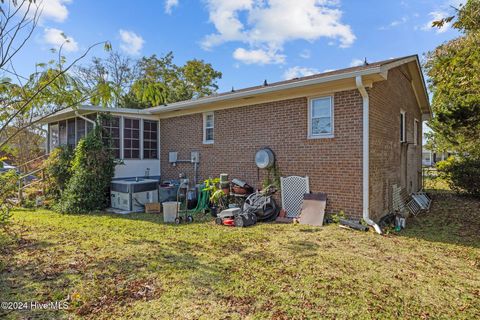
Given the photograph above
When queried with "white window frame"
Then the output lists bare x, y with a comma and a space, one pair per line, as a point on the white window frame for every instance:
403, 116
332, 116
205, 114
415, 132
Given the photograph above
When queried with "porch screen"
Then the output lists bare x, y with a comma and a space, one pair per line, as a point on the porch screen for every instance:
131, 139
71, 132
150, 139
111, 129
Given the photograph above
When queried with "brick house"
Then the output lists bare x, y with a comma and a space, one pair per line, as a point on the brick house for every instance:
354, 132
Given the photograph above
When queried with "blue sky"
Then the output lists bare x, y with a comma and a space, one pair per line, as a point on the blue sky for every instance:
247, 40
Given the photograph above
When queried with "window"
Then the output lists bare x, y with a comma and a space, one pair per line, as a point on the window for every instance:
208, 127
80, 129
415, 132
71, 132
150, 139
320, 118
403, 137
62, 125
111, 129
131, 139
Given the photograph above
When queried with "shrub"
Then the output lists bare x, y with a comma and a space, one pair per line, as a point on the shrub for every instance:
462, 174
92, 169
8, 188
58, 170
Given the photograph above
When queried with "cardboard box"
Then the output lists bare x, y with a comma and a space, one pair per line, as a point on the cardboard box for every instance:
153, 207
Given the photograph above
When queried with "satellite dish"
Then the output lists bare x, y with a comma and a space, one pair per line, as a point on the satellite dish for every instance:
264, 158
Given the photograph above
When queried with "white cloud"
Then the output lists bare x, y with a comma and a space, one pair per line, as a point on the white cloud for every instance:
169, 5
57, 39
297, 72
267, 25
395, 23
258, 56
55, 10
131, 42
305, 54
356, 62
436, 16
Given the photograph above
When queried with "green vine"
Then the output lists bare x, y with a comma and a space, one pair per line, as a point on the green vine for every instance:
273, 177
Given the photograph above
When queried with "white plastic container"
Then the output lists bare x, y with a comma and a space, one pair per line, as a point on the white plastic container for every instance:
170, 210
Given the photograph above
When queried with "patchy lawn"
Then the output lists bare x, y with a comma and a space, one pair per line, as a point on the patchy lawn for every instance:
133, 266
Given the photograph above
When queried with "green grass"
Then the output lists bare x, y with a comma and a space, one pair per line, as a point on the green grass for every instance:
111, 266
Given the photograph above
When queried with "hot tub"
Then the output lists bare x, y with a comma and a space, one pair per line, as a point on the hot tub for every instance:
132, 194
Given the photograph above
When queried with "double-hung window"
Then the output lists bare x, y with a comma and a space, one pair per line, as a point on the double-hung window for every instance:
208, 127
320, 117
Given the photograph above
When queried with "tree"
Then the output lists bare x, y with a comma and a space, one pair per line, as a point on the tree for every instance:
455, 83
51, 88
161, 81
113, 75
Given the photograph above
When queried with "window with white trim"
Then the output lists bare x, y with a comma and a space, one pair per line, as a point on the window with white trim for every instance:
208, 127
403, 135
415, 132
320, 117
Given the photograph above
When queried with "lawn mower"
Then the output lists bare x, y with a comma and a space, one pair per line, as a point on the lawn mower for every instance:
259, 206
234, 217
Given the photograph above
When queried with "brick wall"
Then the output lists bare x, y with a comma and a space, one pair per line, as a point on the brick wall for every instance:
333, 165
390, 161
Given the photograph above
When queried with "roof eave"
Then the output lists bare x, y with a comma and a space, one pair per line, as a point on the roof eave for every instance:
239, 95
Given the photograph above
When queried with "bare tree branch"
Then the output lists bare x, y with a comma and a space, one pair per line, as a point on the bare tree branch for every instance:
25, 105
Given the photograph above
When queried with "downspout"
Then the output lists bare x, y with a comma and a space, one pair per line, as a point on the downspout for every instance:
366, 151
86, 119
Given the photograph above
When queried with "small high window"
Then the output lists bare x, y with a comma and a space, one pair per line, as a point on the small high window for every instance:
320, 117
416, 129
403, 137
208, 127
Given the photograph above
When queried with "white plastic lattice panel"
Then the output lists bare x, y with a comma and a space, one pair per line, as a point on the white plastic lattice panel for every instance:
293, 189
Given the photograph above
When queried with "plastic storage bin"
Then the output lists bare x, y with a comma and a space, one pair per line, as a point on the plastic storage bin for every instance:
170, 210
